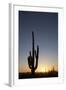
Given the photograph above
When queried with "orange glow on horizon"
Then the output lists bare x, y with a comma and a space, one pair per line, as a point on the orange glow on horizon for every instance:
41, 68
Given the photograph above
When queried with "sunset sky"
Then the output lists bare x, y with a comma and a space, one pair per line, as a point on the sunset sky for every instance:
45, 27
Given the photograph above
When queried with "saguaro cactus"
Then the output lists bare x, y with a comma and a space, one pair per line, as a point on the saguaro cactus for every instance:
33, 57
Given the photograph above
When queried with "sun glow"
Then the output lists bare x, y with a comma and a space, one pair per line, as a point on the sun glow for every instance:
44, 68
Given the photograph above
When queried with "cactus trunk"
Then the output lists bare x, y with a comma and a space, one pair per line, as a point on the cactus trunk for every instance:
33, 52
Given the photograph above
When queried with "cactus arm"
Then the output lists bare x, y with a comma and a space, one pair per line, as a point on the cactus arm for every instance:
30, 60
36, 61
36, 54
30, 66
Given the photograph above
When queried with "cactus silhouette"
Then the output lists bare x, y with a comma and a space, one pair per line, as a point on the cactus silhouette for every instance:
33, 57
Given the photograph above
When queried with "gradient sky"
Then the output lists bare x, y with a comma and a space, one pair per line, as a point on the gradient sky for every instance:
45, 27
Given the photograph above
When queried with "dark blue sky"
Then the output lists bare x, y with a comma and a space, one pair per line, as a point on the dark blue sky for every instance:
45, 27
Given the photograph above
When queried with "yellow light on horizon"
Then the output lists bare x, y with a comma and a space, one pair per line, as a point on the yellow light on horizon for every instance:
43, 70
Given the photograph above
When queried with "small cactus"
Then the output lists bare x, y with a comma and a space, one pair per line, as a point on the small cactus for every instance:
33, 56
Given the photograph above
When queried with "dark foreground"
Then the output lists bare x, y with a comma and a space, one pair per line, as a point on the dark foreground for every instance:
38, 75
